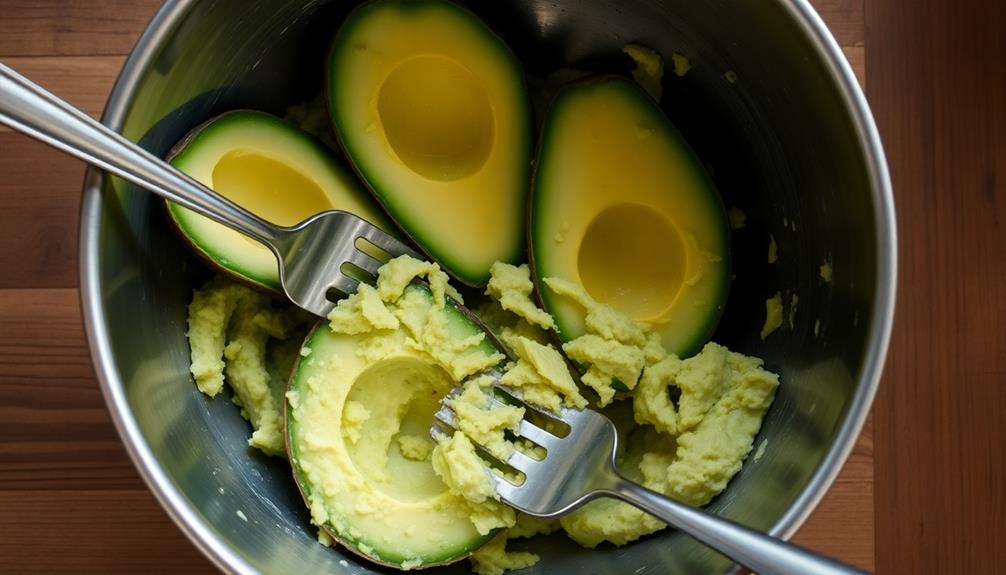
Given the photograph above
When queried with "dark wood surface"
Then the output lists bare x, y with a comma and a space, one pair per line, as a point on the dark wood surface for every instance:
936, 72
70, 500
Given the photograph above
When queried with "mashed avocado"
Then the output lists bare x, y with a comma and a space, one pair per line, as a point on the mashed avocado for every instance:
773, 315
688, 448
511, 286
649, 69
826, 272
236, 333
694, 464
688, 423
493, 558
614, 348
360, 409
541, 376
681, 64
414, 447
483, 425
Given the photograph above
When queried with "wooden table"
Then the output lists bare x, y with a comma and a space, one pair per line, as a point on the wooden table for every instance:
930, 497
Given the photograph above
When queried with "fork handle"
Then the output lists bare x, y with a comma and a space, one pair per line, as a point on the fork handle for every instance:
31, 109
757, 551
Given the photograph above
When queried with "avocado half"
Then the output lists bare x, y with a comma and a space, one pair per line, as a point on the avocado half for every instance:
432, 109
622, 205
271, 169
346, 413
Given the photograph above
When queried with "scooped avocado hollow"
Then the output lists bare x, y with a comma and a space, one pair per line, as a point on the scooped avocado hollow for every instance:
360, 404
621, 205
432, 110
270, 168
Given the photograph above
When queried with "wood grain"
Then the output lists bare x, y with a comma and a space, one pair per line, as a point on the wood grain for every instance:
91, 531
72, 27
845, 18
84, 81
937, 81
40, 186
61, 463
55, 432
41, 190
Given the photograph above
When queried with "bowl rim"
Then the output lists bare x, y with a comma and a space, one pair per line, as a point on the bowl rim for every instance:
170, 15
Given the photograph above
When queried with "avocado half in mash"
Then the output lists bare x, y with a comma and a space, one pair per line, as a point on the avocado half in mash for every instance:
359, 408
271, 169
621, 205
432, 109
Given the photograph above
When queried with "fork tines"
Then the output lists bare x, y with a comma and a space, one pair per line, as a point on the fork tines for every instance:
352, 257
447, 420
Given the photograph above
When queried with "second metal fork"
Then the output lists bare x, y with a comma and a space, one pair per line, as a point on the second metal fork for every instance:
580, 467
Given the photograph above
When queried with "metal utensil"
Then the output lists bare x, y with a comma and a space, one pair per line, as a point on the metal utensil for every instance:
581, 466
312, 255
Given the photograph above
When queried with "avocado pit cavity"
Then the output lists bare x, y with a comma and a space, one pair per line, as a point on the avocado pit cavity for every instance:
640, 273
437, 117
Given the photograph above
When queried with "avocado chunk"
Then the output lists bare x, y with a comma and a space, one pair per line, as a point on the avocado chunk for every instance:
431, 108
621, 205
271, 169
359, 410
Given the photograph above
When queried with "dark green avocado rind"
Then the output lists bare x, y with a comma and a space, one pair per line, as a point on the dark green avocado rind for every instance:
301, 371
548, 141
371, 175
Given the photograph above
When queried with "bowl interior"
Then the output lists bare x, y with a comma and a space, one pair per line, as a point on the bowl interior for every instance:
760, 106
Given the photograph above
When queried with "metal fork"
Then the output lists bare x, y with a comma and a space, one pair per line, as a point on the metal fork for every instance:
580, 467
311, 255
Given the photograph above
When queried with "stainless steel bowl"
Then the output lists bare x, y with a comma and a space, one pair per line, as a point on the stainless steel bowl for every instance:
791, 142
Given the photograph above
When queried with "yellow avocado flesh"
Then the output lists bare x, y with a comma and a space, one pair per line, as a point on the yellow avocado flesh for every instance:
431, 108
622, 206
264, 185
354, 400
273, 170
